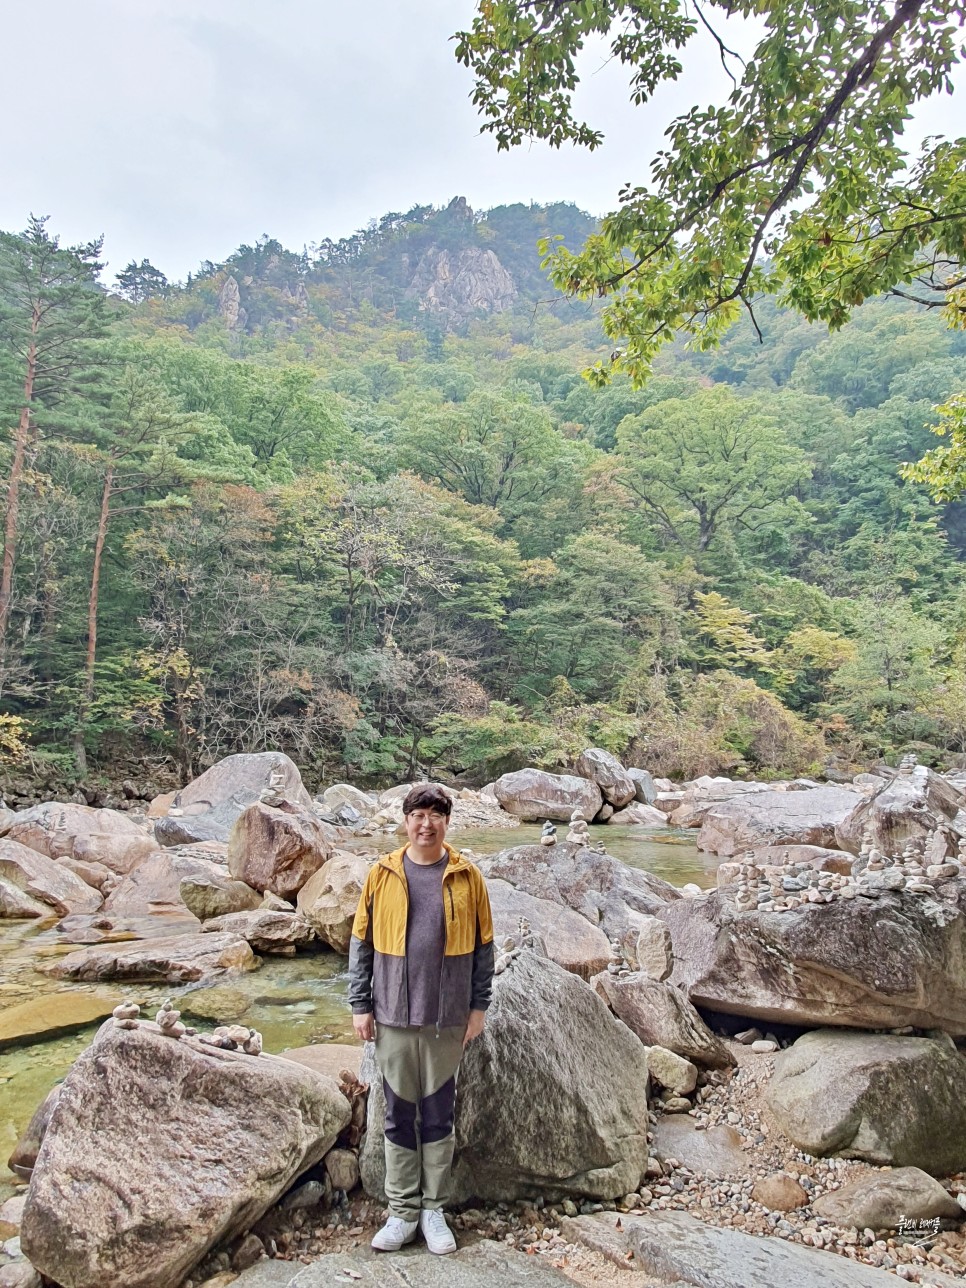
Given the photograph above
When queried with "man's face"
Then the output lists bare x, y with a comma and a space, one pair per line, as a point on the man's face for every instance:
426, 828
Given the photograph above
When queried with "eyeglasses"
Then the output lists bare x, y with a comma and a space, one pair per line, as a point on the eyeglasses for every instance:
432, 816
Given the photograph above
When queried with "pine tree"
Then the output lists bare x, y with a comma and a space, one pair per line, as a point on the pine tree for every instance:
51, 309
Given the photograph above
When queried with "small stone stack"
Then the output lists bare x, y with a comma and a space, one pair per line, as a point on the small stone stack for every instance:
783, 886
618, 964
579, 833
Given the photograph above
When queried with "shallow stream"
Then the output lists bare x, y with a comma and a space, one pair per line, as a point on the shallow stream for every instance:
292, 1001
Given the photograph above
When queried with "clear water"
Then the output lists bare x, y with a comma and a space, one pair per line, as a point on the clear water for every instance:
292, 1001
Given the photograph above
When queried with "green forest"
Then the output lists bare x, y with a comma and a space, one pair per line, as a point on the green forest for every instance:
359, 503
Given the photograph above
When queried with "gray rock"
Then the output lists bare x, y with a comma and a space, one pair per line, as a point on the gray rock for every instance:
329, 898
662, 1016
17, 905
480, 1265
215, 895
266, 930
607, 892
155, 884
636, 815
212, 802
570, 940
158, 1149
715, 1152
907, 808
655, 954
277, 849
65, 830
861, 1095
532, 795
616, 785
21, 1162
552, 1097
44, 880
877, 963
881, 1200
645, 788
677, 1075
340, 794
458, 284
673, 1246
772, 818
180, 959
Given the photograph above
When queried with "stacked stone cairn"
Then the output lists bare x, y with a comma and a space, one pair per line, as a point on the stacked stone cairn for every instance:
783, 886
273, 794
549, 834
579, 833
234, 1037
513, 945
618, 964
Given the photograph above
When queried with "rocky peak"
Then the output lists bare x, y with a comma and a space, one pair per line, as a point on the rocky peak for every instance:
230, 305
457, 284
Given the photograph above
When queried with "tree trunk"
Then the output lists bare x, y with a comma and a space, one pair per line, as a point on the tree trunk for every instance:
13, 493
80, 752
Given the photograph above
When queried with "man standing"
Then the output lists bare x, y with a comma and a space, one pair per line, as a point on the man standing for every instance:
420, 977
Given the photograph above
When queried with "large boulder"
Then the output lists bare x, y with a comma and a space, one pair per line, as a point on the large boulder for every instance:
155, 884
277, 848
639, 816
882, 1200
645, 788
17, 905
45, 880
773, 818
688, 807
64, 830
180, 959
676, 1248
570, 940
552, 1097
265, 929
864, 963
874, 1096
206, 810
909, 807
340, 794
158, 1149
616, 785
21, 1162
213, 894
329, 899
532, 794
662, 1016
607, 892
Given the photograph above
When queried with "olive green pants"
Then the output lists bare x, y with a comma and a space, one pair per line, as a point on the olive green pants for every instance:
418, 1067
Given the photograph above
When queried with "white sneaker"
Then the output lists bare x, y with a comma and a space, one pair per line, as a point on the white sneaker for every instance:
394, 1234
436, 1232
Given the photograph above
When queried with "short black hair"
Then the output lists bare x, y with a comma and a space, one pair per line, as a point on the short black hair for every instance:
428, 796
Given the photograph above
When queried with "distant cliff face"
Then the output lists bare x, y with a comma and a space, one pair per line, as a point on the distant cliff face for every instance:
458, 284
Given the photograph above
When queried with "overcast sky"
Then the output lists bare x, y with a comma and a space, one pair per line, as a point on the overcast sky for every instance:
181, 128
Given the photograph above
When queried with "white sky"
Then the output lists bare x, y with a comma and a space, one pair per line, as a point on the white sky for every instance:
182, 128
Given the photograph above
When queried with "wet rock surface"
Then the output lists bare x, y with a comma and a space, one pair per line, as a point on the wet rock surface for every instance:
180, 959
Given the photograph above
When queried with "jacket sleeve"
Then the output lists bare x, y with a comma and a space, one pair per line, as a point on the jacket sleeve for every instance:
481, 989
361, 954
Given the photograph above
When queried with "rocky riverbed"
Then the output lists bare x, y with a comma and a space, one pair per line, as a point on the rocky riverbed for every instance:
702, 1064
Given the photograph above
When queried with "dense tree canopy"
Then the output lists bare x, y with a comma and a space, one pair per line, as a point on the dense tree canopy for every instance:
797, 186
312, 511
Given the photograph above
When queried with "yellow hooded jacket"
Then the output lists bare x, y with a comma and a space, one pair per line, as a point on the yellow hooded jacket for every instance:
377, 948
